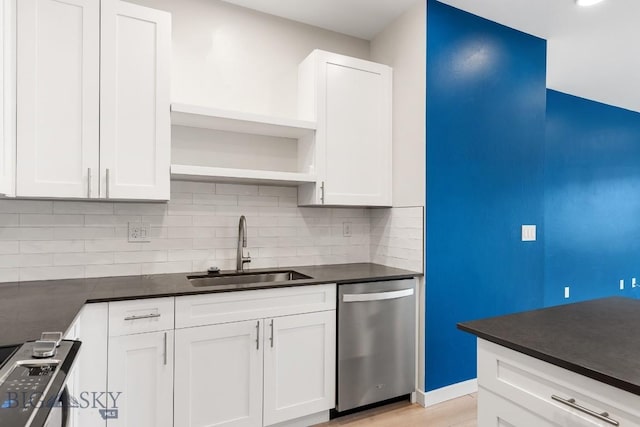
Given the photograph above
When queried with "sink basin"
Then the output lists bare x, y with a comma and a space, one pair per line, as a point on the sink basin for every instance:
245, 278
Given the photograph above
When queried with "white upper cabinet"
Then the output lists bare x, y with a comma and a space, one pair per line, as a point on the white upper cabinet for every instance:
58, 62
135, 128
351, 101
7, 98
92, 100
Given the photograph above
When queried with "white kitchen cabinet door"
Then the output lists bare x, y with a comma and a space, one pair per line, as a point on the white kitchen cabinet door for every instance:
7, 98
219, 375
141, 368
58, 60
351, 102
135, 127
299, 365
89, 373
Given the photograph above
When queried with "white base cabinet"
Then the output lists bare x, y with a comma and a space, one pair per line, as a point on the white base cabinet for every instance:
234, 359
141, 376
250, 370
299, 373
89, 374
521, 391
219, 375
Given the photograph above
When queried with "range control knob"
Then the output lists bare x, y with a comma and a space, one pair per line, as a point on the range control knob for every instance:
43, 349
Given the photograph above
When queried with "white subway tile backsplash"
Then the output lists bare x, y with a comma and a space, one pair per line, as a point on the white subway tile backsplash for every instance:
112, 270
9, 220
82, 208
9, 247
140, 208
50, 220
84, 258
237, 189
191, 209
140, 257
268, 190
192, 187
110, 220
25, 260
52, 246
82, 233
257, 201
26, 206
26, 233
167, 267
51, 273
9, 274
215, 199
197, 229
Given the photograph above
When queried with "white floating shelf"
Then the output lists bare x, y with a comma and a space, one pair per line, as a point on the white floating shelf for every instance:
236, 121
248, 176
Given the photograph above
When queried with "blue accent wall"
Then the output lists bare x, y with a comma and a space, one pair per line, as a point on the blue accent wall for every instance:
592, 200
485, 153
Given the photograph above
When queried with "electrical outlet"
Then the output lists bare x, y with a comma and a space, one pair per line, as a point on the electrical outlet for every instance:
566, 291
622, 284
633, 282
346, 229
139, 231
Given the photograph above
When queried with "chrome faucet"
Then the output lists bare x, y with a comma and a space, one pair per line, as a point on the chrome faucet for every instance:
241, 258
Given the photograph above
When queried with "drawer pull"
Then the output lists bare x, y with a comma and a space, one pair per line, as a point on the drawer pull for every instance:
602, 416
143, 316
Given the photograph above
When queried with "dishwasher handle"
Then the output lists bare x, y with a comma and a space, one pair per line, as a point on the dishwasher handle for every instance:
377, 296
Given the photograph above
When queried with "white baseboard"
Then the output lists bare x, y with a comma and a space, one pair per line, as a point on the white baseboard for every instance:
443, 394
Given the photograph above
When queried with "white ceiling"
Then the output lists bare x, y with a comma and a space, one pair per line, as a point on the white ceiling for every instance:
593, 52
359, 18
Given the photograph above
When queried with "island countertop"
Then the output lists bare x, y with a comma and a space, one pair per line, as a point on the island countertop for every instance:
29, 308
599, 339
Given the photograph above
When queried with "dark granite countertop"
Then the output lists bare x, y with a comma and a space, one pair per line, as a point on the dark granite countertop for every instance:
598, 339
28, 308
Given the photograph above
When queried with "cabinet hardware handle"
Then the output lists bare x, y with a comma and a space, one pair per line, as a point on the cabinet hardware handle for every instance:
88, 183
271, 338
165, 349
143, 316
258, 335
322, 192
107, 182
602, 416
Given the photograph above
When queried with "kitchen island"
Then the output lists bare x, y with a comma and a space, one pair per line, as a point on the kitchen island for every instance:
570, 365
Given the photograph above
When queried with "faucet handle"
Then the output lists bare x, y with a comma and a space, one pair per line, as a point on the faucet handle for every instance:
246, 254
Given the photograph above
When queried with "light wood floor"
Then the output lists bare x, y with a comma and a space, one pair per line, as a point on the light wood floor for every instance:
460, 412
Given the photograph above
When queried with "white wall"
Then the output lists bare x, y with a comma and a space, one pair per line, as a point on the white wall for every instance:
231, 57
402, 45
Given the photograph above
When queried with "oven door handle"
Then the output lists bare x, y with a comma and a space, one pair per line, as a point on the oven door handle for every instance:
377, 296
65, 405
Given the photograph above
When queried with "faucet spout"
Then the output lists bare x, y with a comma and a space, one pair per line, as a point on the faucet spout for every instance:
241, 258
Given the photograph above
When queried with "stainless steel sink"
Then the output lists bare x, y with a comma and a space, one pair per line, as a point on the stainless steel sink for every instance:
245, 278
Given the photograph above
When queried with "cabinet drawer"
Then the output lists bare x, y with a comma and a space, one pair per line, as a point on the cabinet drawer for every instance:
494, 410
209, 309
531, 383
138, 316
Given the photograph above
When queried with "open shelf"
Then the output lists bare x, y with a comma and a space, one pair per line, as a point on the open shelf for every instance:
240, 122
247, 176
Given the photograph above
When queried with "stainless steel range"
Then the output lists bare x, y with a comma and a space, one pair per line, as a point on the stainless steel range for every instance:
32, 382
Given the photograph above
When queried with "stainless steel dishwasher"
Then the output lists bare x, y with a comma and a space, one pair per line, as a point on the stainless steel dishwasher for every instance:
376, 342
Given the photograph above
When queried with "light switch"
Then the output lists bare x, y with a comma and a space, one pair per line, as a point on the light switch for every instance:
528, 233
